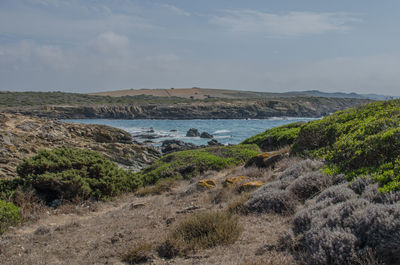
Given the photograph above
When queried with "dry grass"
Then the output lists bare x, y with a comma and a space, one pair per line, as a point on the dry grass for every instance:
114, 228
203, 230
140, 253
162, 186
236, 206
32, 208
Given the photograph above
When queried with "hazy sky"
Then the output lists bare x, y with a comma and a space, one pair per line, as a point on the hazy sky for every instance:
282, 45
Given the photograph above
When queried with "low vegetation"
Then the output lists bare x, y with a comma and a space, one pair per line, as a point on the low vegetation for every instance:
276, 138
140, 253
191, 163
9, 215
201, 230
357, 142
66, 173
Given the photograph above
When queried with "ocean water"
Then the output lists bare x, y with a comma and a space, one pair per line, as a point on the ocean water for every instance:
224, 131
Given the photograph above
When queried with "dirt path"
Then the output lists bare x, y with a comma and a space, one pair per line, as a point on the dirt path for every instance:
103, 236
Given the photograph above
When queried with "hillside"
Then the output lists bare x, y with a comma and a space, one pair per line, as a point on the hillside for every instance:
325, 192
206, 93
215, 109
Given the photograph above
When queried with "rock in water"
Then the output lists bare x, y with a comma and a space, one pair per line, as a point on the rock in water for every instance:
170, 146
206, 135
193, 133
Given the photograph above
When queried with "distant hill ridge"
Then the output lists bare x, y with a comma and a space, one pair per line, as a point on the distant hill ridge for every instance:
204, 93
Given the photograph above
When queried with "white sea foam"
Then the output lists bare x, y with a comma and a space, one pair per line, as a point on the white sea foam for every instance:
221, 131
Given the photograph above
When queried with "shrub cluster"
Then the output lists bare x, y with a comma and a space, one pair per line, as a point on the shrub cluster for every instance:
9, 215
358, 142
339, 227
298, 182
191, 163
276, 138
67, 173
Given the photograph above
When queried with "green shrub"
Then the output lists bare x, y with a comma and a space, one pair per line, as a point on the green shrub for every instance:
9, 215
67, 173
191, 163
358, 142
275, 138
8, 187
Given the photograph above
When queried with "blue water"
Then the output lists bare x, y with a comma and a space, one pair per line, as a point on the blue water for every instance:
224, 131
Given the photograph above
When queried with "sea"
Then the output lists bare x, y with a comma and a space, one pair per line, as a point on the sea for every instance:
224, 131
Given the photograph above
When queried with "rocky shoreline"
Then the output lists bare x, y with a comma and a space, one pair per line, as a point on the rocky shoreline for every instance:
250, 109
23, 136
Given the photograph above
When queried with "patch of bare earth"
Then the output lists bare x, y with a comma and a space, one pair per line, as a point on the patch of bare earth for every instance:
106, 233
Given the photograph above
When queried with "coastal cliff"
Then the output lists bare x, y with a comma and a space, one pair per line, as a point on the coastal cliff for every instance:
241, 109
22, 136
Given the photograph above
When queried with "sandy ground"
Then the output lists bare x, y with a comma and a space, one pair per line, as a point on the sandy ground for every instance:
103, 235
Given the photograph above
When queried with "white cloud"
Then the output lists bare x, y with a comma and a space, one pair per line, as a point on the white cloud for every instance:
290, 24
110, 42
176, 10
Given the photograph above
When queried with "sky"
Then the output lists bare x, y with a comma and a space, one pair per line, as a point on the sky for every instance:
270, 46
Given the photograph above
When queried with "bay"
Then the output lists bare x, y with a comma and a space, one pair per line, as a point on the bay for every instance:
224, 131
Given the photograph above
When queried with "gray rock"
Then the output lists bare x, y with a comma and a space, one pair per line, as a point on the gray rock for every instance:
192, 132
206, 135
170, 146
214, 142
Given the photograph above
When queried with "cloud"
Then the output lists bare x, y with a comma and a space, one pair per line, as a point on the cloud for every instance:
289, 24
110, 42
176, 10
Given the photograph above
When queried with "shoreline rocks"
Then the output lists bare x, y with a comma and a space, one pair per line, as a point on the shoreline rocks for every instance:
23, 136
170, 146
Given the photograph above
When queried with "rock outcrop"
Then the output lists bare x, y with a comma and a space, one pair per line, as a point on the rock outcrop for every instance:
238, 109
206, 135
170, 146
192, 132
22, 136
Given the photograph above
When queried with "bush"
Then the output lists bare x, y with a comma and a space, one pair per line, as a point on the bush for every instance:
191, 163
336, 194
310, 184
162, 186
300, 168
276, 138
357, 142
272, 201
202, 230
67, 173
340, 226
140, 253
9, 215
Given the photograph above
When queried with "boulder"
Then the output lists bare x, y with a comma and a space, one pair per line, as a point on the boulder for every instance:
170, 146
214, 142
192, 132
206, 135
